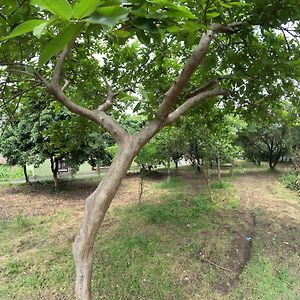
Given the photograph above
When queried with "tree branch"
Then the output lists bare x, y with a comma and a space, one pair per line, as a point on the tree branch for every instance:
59, 64
109, 99
101, 118
185, 75
204, 92
117, 132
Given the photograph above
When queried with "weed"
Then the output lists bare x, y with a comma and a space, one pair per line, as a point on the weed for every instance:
22, 222
234, 202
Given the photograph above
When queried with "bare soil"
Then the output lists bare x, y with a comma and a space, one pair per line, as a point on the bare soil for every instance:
42, 199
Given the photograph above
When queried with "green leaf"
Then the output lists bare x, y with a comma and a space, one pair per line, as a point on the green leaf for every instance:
237, 3
122, 33
61, 8
143, 38
38, 30
137, 107
23, 28
174, 29
84, 8
59, 42
108, 15
184, 12
212, 15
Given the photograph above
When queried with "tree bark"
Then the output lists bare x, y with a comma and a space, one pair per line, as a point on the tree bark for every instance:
96, 206
169, 170
25, 174
219, 169
54, 169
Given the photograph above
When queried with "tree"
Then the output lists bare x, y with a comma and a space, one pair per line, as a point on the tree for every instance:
15, 146
156, 24
265, 143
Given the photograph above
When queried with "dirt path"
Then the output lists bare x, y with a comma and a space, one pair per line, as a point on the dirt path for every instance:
270, 219
261, 192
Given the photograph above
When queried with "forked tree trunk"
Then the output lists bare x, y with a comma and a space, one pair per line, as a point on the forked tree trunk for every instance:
96, 206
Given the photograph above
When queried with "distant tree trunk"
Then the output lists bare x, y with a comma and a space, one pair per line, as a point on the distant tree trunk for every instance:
219, 168
273, 160
206, 172
169, 170
25, 173
231, 168
141, 184
98, 168
176, 163
54, 169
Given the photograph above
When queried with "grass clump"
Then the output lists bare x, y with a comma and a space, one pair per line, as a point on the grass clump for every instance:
170, 183
220, 185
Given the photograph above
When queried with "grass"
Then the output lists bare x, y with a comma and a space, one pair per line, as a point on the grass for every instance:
8, 173
147, 251
170, 183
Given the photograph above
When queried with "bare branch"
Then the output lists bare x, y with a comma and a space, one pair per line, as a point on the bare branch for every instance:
111, 96
204, 87
59, 64
65, 85
203, 94
185, 75
117, 132
109, 99
220, 28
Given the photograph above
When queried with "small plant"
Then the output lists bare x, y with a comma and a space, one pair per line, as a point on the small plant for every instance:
21, 221
234, 203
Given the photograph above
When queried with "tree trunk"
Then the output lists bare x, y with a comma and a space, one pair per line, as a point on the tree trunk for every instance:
206, 172
96, 206
219, 169
25, 174
231, 168
98, 168
54, 169
169, 171
141, 184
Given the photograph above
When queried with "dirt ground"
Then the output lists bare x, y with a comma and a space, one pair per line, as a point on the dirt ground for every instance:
42, 199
